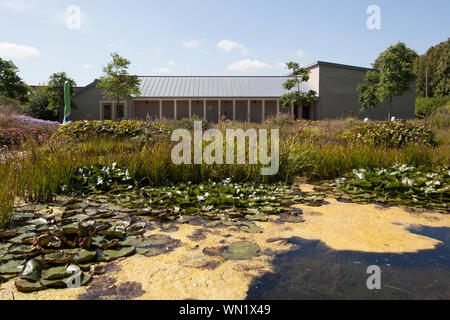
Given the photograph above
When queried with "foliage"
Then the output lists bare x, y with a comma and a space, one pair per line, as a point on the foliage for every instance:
11, 85
82, 130
400, 184
437, 61
187, 123
116, 82
441, 119
395, 67
425, 107
38, 106
369, 97
55, 88
392, 134
17, 136
297, 97
98, 178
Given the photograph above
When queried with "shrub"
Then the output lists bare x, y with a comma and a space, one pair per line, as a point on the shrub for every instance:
81, 130
425, 107
16, 136
393, 134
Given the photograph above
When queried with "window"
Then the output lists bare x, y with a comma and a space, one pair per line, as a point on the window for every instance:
107, 111
120, 112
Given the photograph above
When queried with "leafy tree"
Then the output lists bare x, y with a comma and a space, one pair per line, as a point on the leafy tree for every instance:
11, 85
394, 78
116, 82
55, 88
296, 96
437, 61
368, 96
38, 106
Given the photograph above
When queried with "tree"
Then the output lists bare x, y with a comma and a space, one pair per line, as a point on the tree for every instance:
55, 88
11, 85
437, 62
116, 82
394, 78
296, 96
38, 105
368, 96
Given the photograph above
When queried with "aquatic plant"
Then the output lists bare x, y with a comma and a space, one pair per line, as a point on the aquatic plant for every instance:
399, 185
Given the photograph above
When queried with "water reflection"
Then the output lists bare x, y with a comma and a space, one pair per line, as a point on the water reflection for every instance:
314, 271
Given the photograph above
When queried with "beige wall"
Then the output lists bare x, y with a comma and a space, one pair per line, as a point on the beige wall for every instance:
339, 98
88, 105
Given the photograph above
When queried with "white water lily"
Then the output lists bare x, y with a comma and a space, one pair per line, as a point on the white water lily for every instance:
359, 174
407, 182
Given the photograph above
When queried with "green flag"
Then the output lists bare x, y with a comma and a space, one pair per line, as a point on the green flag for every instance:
66, 100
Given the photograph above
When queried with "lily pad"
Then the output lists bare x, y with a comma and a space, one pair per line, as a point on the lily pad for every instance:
12, 267
111, 255
58, 257
257, 217
241, 251
26, 286
55, 273
32, 271
251, 227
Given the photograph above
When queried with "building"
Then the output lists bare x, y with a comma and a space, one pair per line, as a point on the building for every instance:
240, 98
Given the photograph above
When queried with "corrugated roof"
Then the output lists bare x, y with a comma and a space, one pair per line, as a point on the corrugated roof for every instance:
214, 87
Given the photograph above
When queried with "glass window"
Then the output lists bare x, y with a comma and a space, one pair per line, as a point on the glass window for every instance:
107, 112
120, 112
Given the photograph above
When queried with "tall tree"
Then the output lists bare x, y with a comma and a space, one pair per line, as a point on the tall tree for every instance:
11, 85
37, 107
116, 82
368, 96
435, 62
394, 78
297, 96
55, 88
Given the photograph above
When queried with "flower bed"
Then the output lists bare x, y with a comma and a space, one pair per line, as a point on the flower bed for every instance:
81, 130
393, 134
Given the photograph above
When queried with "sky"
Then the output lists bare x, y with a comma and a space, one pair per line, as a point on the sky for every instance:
209, 37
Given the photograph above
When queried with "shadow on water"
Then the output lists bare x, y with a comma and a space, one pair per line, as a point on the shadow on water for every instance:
315, 271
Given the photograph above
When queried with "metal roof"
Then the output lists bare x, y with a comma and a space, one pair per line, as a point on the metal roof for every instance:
338, 65
214, 87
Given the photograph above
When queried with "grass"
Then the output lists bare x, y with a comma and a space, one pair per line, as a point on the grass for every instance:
315, 150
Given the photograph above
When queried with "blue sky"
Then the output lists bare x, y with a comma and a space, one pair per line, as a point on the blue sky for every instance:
208, 37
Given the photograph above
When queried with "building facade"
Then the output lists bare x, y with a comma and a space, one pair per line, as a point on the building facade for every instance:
239, 98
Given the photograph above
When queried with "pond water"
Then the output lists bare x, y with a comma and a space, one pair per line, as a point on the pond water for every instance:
314, 271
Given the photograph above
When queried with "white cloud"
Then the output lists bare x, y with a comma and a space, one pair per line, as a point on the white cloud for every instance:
206, 52
300, 53
88, 66
171, 63
228, 46
192, 44
12, 50
280, 65
162, 70
19, 5
249, 65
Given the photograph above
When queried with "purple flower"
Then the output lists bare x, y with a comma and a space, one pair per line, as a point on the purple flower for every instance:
29, 120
